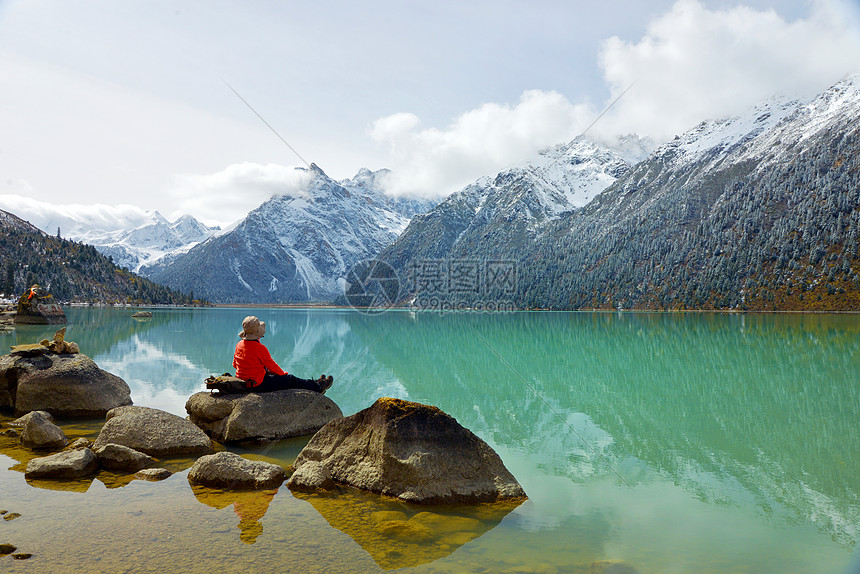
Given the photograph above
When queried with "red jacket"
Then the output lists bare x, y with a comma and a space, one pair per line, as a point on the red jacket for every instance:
251, 361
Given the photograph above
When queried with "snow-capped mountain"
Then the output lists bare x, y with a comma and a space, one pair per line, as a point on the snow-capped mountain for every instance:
500, 214
374, 182
835, 111
131, 236
558, 180
756, 212
149, 243
714, 138
295, 247
760, 210
770, 134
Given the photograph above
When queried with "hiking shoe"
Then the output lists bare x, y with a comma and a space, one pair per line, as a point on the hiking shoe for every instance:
325, 383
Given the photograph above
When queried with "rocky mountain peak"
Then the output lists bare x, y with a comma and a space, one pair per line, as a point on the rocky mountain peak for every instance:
296, 246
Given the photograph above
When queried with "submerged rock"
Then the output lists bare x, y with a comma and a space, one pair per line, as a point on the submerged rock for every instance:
227, 470
153, 432
153, 474
67, 464
612, 567
119, 457
407, 450
81, 443
34, 378
261, 416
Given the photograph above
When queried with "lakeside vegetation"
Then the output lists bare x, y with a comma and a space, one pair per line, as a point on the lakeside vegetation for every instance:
72, 272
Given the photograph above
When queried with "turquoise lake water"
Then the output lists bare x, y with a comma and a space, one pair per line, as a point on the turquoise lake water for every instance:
672, 442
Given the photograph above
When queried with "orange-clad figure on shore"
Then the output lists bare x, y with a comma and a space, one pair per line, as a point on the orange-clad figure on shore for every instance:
255, 366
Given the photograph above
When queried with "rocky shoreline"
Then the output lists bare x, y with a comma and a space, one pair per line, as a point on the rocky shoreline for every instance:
7, 318
406, 481
394, 448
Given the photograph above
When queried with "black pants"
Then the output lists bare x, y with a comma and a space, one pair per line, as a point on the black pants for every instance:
279, 382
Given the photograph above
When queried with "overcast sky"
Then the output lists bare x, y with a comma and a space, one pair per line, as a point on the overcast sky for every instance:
126, 102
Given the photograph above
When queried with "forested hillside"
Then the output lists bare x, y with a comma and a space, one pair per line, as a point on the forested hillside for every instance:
780, 238
757, 212
68, 270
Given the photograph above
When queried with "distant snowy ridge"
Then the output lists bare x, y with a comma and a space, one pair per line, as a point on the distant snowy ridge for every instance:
767, 131
560, 179
500, 215
716, 137
131, 236
147, 244
569, 175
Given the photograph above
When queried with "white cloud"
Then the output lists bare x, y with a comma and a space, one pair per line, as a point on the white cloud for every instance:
695, 63
86, 127
228, 195
73, 219
434, 162
78, 138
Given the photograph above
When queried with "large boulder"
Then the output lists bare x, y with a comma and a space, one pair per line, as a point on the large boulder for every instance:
34, 378
21, 422
37, 306
153, 432
39, 432
407, 450
264, 416
229, 471
8, 382
66, 464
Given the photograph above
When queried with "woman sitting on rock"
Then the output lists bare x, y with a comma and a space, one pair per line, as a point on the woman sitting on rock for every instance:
261, 373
